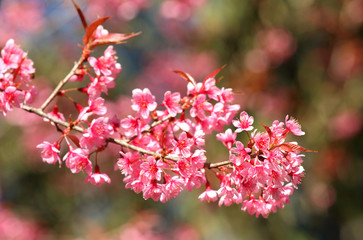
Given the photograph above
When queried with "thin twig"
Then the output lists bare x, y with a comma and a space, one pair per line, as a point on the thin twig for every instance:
120, 142
63, 82
216, 165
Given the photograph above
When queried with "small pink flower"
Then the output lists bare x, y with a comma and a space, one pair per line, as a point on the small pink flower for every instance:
195, 181
209, 195
77, 160
226, 95
262, 141
242, 154
244, 123
151, 169
293, 126
183, 145
95, 106
132, 126
13, 57
171, 102
228, 138
98, 179
100, 32
152, 190
12, 54
143, 102
100, 85
106, 64
96, 134
50, 152
10, 98
259, 206
126, 162
55, 114
172, 187
200, 106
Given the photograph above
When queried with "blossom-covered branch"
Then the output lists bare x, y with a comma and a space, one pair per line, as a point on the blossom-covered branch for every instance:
162, 144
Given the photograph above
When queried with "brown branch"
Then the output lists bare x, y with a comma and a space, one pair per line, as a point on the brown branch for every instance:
64, 80
216, 165
120, 142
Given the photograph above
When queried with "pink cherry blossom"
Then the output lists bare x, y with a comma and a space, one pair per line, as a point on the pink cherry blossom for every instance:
208, 195
98, 179
96, 134
55, 114
195, 181
143, 101
12, 54
95, 106
50, 152
242, 154
152, 190
128, 162
133, 126
100, 32
257, 207
209, 87
10, 98
77, 160
172, 188
151, 169
105, 65
200, 106
293, 126
226, 95
100, 85
171, 102
183, 145
228, 138
244, 123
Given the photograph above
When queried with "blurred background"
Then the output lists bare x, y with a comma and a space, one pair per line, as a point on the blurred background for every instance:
303, 58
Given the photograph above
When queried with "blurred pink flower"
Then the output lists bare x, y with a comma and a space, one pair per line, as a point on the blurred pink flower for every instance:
322, 195
14, 227
98, 179
277, 43
20, 17
346, 124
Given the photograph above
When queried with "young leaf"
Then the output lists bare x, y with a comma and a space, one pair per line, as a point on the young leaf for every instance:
81, 16
186, 76
268, 130
214, 73
114, 38
289, 147
74, 139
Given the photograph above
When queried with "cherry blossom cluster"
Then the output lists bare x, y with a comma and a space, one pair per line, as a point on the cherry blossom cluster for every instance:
263, 174
16, 72
182, 124
101, 73
162, 145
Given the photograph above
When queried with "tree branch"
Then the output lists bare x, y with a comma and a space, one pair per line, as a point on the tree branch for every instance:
120, 142
63, 81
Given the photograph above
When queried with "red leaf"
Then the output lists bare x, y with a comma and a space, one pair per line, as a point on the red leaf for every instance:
74, 139
215, 72
114, 38
289, 147
81, 16
92, 28
186, 76
268, 130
